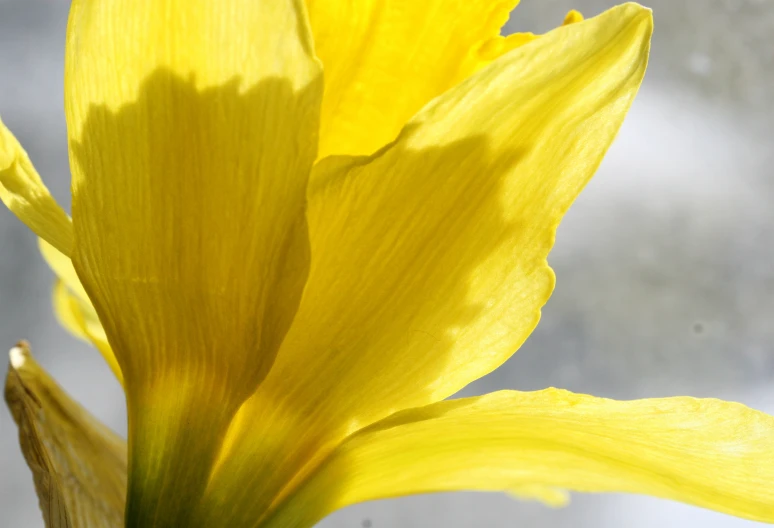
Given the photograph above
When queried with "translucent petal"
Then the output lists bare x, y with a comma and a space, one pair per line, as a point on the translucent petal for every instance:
65, 312
385, 60
429, 258
81, 320
709, 453
25, 194
498, 46
63, 268
192, 130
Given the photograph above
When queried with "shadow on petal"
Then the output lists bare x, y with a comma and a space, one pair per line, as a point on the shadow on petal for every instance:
192, 243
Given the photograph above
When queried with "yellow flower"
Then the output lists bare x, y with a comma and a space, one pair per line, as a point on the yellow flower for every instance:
289, 273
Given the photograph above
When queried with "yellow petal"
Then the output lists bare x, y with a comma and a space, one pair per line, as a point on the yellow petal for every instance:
65, 312
62, 266
429, 258
709, 453
78, 464
192, 129
73, 307
385, 60
25, 194
81, 320
498, 46
573, 17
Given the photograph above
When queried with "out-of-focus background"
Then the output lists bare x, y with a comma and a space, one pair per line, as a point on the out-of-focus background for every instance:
665, 264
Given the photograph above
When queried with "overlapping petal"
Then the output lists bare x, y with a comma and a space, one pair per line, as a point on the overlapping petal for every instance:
73, 307
709, 453
428, 265
429, 257
498, 46
480, 34
192, 130
78, 464
385, 60
81, 320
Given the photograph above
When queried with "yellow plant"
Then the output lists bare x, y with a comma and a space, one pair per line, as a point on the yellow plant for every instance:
297, 228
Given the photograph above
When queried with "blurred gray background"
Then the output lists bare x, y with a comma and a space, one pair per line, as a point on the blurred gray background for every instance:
665, 264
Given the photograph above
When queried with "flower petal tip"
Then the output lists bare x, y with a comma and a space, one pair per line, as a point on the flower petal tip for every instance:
552, 497
637, 11
20, 355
